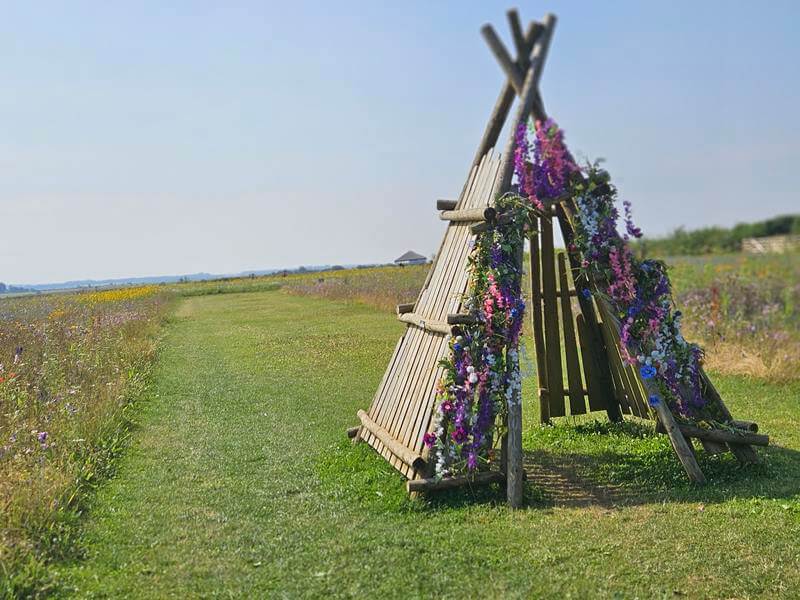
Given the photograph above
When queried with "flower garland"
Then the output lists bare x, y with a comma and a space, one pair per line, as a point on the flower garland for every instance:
481, 375
640, 294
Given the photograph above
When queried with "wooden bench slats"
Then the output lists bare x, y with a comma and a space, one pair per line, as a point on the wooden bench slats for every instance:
404, 402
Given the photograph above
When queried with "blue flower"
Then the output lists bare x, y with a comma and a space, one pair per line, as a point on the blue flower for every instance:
654, 400
456, 347
632, 311
647, 372
587, 293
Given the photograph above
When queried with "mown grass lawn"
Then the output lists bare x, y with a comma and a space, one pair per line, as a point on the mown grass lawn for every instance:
240, 483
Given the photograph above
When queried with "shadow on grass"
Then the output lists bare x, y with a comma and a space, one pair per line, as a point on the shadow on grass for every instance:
617, 464
597, 464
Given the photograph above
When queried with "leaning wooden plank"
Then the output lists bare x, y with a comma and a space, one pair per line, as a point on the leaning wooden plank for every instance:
437, 485
614, 367
412, 459
577, 406
633, 385
380, 394
538, 327
395, 385
416, 391
457, 238
597, 398
421, 421
552, 336
679, 443
604, 399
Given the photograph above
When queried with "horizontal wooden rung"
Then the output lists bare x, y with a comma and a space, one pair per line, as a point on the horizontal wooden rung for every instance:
746, 425
461, 319
426, 324
405, 308
469, 214
449, 483
724, 436
559, 293
408, 456
442, 204
488, 224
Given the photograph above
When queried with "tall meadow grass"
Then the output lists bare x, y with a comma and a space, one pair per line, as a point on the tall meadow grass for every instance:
70, 366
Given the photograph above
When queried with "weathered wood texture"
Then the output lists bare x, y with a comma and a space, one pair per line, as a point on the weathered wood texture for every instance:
403, 405
435, 485
513, 459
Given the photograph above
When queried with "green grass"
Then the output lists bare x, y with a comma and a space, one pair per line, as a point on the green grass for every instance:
239, 482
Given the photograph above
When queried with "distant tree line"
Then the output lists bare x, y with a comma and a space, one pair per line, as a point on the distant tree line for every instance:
13, 289
717, 240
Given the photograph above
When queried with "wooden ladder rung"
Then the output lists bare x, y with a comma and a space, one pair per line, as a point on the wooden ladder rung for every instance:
426, 324
469, 214
409, 457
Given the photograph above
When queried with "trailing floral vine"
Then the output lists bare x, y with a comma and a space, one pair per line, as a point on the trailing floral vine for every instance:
640, 294
481, 375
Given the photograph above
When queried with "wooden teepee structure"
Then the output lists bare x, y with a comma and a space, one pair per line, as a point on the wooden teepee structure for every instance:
582, 344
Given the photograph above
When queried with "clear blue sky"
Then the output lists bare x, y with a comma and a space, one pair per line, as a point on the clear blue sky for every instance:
167, 137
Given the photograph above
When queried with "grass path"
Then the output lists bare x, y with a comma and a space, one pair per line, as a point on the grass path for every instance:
239, 483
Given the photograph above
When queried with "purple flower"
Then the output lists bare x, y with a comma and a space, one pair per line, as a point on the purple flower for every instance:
42, 437
429, 439
472, 461
459, 435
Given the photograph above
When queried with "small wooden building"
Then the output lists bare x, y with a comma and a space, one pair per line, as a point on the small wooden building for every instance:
410, 258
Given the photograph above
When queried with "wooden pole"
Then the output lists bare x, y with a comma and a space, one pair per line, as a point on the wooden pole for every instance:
679, 443
514, 471
504, 101
527, 98
538, 332
449, 483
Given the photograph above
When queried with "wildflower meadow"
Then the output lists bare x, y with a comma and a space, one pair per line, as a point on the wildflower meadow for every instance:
71, 365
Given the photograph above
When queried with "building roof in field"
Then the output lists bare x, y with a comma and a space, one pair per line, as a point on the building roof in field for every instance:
410, 255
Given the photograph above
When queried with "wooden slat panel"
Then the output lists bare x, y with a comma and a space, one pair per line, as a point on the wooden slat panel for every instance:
604, 396
597, 396
552, 337
403, 405
636, 394
538, 328
577, 406
614, 363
